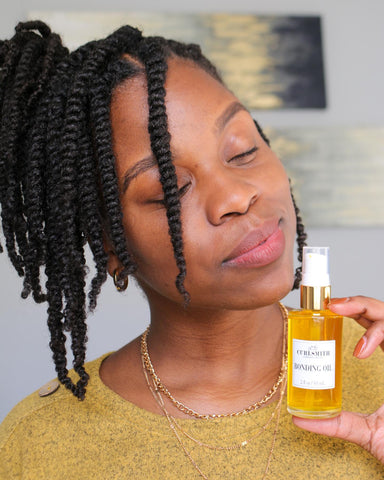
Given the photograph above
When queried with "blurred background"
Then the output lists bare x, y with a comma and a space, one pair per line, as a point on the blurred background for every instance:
352, 40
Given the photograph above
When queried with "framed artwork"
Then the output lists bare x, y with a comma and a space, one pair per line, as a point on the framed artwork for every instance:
337, 173
270, 61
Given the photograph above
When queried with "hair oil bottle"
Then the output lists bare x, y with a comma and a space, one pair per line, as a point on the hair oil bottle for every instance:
314, 344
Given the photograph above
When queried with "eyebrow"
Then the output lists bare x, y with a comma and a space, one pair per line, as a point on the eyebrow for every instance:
228, 113
149, 162
140, 167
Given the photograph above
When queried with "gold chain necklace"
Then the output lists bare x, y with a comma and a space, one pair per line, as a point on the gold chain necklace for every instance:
189, 411
175, 425
176, 428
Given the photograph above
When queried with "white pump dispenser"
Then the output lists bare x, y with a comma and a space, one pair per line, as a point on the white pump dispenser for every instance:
315, 284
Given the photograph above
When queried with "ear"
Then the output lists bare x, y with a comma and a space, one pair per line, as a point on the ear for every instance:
113, 262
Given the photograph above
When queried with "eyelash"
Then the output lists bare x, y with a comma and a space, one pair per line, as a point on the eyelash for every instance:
180, 192
245, 154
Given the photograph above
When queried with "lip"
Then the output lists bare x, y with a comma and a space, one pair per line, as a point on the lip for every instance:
259, 248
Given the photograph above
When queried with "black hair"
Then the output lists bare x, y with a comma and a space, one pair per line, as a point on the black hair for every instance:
58, 186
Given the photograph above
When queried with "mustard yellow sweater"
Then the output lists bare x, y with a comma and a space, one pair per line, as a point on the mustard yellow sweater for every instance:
106, 437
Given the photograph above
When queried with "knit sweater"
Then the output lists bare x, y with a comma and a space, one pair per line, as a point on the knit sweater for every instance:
106, 437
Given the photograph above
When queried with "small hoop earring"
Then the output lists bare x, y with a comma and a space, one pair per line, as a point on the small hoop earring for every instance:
121, 284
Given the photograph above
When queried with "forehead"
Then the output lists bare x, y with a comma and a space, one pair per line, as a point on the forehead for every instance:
189, 90
194, 100
193, 96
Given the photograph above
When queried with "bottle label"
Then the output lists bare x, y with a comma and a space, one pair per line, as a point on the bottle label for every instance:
313, 364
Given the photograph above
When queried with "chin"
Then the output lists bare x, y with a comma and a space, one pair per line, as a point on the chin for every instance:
258, 295
274, 288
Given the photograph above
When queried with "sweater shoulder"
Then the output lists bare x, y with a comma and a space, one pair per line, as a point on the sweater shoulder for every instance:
37, 409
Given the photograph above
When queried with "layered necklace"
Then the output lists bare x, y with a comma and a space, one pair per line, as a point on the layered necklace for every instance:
158, 390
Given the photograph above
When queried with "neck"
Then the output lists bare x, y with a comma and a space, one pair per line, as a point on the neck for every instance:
215, 349
212, 361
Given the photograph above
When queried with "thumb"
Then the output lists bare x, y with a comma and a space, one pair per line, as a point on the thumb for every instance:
349, 426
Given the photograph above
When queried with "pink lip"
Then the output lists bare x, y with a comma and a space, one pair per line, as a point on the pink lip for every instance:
259, 248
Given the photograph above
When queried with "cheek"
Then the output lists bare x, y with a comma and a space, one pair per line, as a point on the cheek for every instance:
290, 230
277, 191
275, 187
150, 245
146, 238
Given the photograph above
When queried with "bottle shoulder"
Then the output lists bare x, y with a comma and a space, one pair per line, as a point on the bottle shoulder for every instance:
312, 313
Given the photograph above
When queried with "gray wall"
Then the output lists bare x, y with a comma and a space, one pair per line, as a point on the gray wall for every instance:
353, 40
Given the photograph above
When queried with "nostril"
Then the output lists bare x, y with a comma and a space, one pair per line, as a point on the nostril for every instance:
231, 214
230, 202
253, 200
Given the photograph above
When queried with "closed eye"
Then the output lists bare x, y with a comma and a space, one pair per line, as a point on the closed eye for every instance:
244, 155
182, 191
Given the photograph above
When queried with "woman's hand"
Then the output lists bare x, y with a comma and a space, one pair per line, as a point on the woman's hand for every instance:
364, 430
369, 313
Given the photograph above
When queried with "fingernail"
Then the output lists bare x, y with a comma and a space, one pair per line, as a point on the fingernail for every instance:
360, 347
338, 301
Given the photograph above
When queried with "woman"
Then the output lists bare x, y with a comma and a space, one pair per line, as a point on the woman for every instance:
135, 146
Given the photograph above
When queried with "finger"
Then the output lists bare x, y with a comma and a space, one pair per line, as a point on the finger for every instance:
349, 426
372, 338
364, 322
369, 313
359, 306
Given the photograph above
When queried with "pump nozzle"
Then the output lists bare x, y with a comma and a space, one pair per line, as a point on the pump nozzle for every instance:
315, 285
316, 266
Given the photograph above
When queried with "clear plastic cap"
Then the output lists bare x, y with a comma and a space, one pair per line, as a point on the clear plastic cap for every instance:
315, 267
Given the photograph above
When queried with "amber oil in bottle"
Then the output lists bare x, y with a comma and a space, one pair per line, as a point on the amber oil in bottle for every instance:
314, 344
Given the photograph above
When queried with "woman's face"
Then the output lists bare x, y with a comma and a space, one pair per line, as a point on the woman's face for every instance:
238, 221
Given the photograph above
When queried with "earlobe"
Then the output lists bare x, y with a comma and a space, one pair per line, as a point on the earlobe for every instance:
113, 263
114, 268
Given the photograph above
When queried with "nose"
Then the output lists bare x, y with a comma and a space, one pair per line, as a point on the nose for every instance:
230, 194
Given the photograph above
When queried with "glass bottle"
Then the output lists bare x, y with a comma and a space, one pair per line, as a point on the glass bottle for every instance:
315, 344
